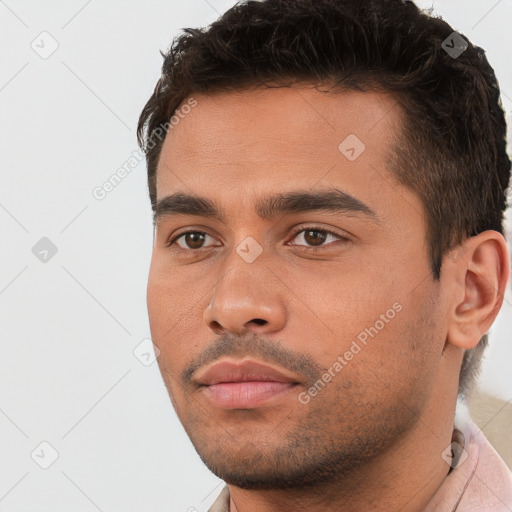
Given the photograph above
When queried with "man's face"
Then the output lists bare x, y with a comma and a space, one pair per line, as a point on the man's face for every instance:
296, 343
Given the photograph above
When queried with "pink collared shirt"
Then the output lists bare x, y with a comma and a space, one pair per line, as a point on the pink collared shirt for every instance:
479, 482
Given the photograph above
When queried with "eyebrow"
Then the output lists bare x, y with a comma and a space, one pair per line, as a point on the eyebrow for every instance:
330, 200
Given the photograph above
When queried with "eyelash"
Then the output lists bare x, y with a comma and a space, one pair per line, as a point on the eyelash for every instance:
299, 230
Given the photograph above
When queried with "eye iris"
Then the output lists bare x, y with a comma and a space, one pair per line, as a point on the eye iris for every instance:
194, 240
314, 237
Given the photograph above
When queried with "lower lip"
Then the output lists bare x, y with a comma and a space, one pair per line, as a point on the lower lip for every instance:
245, 395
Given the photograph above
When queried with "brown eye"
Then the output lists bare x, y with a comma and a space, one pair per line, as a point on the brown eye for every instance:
194, 240
191, 240
313, 238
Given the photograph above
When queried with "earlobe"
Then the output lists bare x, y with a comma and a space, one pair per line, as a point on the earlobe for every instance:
478, 280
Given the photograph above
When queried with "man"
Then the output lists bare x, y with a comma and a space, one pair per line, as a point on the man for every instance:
328, 255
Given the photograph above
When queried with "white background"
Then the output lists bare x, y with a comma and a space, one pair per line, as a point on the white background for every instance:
69, 326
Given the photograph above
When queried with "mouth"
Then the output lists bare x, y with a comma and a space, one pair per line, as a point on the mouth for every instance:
244, 385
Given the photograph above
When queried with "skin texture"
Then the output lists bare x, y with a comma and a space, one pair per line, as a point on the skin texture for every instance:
371, 439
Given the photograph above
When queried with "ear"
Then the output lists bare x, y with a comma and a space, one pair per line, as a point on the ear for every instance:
477, 273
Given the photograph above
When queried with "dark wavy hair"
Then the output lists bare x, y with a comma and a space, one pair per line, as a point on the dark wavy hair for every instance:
452, 149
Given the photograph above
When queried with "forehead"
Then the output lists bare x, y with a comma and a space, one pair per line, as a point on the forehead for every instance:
241, 144
296, 119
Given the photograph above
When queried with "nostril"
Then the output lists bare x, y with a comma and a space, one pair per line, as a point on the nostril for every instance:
259, 321
216, 327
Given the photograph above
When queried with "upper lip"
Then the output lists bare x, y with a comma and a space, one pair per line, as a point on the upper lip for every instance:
241, 371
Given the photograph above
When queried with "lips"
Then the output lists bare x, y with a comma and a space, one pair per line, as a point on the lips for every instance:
243, 385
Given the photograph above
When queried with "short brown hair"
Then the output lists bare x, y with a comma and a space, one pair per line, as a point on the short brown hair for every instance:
452, 151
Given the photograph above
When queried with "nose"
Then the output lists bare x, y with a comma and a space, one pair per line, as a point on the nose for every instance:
247, 298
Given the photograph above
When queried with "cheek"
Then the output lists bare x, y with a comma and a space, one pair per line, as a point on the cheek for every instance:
168, 296
158, 302
164, 313
175, 317
153, 295
340, 305
371, 321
